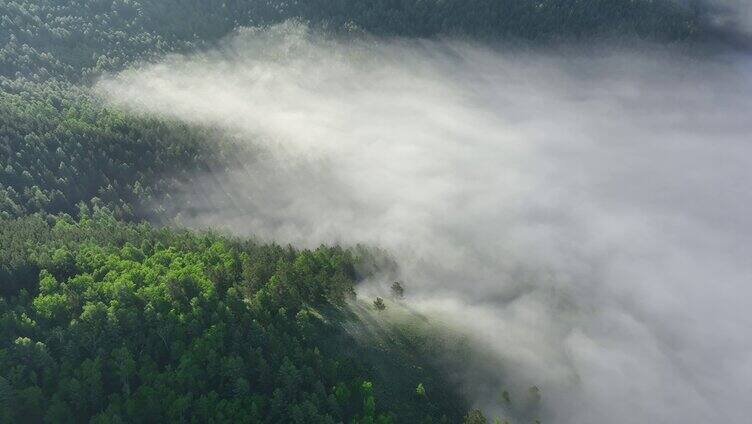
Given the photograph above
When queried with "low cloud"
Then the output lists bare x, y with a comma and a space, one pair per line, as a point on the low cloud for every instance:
584, 217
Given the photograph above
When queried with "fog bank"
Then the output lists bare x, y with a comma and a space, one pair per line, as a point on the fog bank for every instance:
585, 217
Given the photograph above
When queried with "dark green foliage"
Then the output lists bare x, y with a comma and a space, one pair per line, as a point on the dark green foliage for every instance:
522, 19
58, 147
106, 321
81, 38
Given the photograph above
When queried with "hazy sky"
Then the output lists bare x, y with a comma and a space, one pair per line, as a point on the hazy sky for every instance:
585, 217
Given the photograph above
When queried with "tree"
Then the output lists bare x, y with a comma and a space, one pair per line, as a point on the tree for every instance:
379, 304
397, 290
369, 403
505, 397
125, 367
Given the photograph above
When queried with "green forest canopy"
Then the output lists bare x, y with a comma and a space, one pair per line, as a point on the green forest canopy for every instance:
130, 323
79, 38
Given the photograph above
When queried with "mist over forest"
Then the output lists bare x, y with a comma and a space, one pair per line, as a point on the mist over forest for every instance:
375, 212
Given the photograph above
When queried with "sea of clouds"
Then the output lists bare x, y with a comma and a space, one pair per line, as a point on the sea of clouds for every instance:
584, 216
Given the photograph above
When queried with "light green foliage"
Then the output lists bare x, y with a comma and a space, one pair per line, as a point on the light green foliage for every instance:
107, 321
420, 390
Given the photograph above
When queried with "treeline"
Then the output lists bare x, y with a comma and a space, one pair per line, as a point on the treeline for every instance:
102, 321
81, 38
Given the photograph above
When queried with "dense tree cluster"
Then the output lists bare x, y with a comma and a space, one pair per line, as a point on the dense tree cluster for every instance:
114, 322
58, 147
73, 38
505, 19
80, 38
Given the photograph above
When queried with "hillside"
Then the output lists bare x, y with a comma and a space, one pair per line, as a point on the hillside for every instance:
111, 312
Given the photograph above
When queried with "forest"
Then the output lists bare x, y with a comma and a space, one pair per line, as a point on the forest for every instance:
109, 312
106, 321
78, 39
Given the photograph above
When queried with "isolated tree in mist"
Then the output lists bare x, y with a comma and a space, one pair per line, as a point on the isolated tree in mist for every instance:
379, 304
397, 290
534, 395
505, 397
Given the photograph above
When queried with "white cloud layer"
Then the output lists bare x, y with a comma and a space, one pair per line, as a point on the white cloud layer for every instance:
585, 216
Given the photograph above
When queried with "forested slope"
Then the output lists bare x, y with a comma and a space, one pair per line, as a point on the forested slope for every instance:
131, 323
59, 147
105, 316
